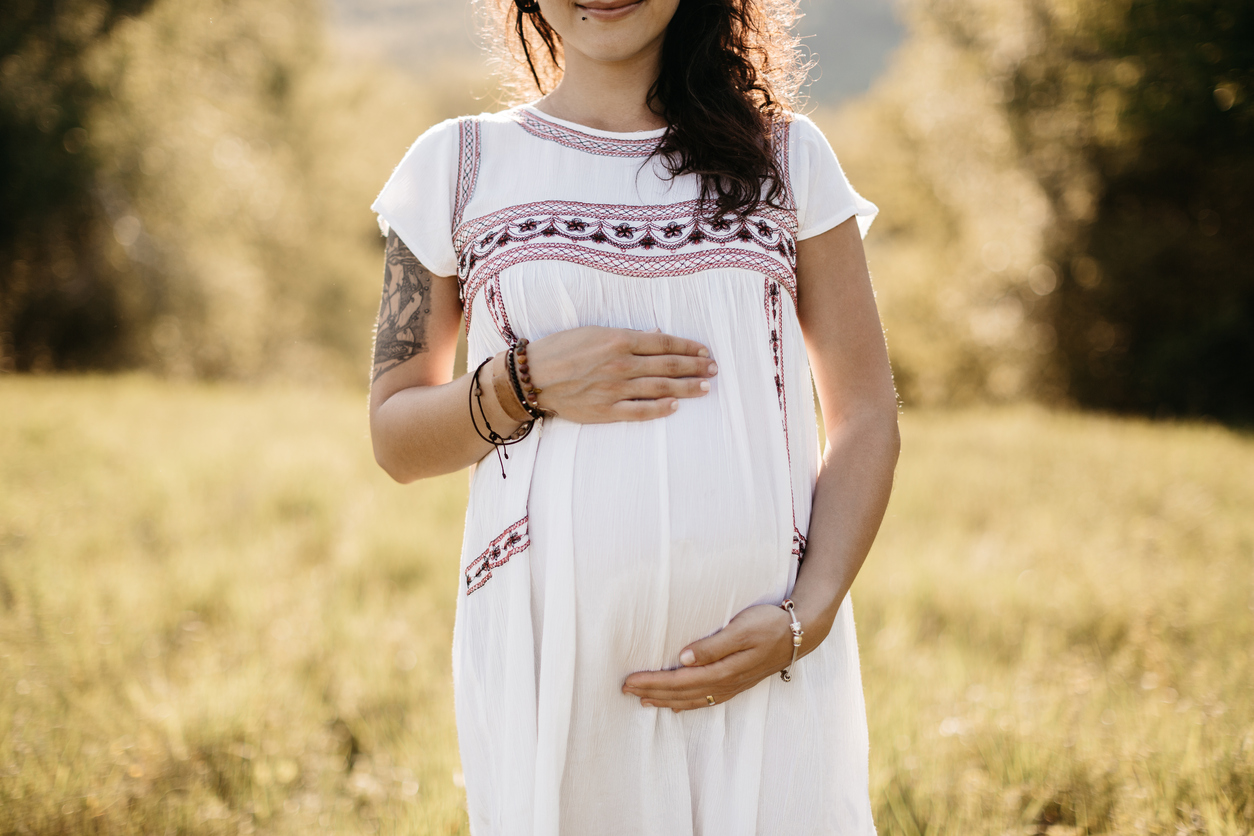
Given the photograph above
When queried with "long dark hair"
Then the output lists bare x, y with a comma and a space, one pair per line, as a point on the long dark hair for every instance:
729, 70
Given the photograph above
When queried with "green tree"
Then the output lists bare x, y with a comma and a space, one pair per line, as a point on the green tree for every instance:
187, 189
58, 299
1155, 312
1135, 118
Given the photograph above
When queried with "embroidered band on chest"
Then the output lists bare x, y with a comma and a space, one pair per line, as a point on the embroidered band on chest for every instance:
642, 240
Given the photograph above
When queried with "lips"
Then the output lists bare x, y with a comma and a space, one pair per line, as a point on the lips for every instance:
609, 9
607, 4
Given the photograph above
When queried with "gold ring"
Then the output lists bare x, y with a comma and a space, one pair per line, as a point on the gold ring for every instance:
709, 700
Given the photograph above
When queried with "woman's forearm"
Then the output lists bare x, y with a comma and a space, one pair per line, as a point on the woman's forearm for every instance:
850, 497
424, 431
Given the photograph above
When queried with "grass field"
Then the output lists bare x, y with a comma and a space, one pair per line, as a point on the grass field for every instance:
218, 616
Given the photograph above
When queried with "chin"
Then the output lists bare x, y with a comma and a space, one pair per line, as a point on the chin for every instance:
611, 49
617, 39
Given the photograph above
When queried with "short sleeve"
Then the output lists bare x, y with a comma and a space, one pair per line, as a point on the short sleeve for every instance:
417, 200
823, 195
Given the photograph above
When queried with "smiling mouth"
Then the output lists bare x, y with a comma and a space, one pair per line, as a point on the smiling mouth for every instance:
609, 10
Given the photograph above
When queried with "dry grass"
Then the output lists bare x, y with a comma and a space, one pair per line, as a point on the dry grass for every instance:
218, 616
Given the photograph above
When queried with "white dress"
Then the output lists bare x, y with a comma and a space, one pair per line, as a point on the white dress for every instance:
607, 548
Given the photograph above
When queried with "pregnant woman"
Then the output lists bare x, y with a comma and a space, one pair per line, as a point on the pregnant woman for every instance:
651, 260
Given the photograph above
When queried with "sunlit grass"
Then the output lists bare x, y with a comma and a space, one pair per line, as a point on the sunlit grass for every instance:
218, 616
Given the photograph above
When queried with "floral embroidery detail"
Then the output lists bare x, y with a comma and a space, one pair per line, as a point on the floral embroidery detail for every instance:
508, 543
491, 243
661, 265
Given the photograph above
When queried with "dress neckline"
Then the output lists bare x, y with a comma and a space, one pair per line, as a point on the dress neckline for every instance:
583, 138
575, 126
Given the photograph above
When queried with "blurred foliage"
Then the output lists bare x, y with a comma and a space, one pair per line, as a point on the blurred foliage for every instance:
219, 616
1135, 118
58, 300
189, 183
1065, 186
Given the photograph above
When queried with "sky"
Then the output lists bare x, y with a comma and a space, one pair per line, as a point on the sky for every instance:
851, 39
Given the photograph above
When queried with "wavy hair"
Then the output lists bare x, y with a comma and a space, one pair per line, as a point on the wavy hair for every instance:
729, 70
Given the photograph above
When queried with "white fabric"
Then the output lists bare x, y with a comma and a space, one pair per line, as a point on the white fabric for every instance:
609, 547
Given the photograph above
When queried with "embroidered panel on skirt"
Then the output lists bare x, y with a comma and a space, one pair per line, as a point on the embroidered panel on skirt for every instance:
508, 543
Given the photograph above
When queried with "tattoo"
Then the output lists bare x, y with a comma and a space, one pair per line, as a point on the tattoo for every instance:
406, 307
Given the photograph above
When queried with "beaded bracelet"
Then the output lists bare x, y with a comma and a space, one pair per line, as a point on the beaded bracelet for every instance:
524, 375
515, 378
797, 633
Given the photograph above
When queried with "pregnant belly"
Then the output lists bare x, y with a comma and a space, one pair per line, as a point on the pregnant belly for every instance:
678, 524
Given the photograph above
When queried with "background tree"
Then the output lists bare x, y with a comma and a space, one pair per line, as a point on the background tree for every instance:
1136, 119
59, 301
1065, 190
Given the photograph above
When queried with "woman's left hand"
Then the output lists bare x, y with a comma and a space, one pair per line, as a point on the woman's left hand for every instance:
756, 644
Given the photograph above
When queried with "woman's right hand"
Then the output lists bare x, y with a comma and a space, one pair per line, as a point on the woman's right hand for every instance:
595, 375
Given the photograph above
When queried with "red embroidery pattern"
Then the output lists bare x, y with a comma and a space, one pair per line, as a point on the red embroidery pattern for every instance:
645, 241
779, 139
467, 166
580, 221
775, 324
580, 141
508, 543
622, 264
496, 309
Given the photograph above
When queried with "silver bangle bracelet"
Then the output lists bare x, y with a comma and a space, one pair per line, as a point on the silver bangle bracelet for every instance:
797, 633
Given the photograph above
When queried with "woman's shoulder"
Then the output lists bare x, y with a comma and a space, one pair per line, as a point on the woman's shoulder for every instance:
796, 125
451, 131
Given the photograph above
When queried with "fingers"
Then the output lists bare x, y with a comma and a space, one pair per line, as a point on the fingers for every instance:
688, 705
668, 688
654, 342
732, 660
644, 410
685, 689
664, 387
709, 650
672, 365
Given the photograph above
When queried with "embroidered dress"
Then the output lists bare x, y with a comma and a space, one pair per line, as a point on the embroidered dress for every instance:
609, 547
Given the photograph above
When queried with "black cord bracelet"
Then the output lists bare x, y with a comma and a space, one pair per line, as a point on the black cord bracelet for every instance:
498, 441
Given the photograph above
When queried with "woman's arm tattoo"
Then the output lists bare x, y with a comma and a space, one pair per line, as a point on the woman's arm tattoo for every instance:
405, 310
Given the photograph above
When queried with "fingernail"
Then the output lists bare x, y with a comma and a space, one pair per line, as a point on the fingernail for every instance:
713, 368
647, 704
705, 386
704, 352
674, 405
687, 658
